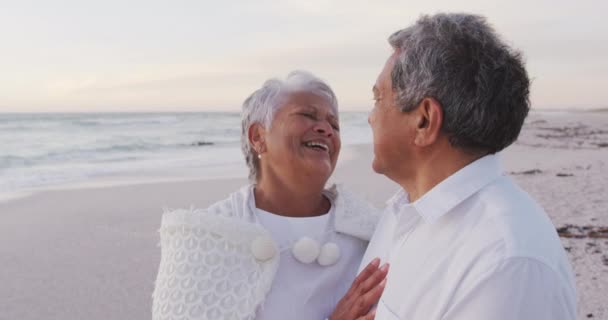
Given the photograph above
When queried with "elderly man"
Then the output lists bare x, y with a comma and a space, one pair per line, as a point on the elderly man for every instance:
463, 241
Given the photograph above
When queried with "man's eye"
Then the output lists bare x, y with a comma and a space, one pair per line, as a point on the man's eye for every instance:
336, 127
309, 115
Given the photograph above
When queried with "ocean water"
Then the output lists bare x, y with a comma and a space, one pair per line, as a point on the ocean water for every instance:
49, 150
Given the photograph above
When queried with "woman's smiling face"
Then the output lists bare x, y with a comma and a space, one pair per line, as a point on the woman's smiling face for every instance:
303, 139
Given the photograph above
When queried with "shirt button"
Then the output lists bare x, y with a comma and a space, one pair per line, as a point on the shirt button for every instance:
306, 250
330, 253
263, 248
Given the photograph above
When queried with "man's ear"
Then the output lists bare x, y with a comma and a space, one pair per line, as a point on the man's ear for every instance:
429, 121
256, 137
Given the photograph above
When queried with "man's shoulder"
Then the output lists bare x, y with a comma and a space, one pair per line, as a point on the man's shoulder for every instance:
510, 216
505, 194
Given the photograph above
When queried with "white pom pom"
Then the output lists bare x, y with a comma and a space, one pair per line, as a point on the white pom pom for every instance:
263, 248
330, 253
306, 250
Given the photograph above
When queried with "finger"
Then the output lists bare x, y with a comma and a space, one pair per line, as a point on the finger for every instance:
370, 315
373, 280
372, 297
354, 291
353, 296
369, 270
364, 300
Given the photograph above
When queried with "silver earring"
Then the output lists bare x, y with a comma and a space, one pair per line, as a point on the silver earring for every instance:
259, 156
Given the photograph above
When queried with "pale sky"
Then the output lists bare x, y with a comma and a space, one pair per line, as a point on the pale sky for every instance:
111, 55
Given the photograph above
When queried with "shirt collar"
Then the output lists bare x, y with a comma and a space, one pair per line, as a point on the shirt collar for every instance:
454, 190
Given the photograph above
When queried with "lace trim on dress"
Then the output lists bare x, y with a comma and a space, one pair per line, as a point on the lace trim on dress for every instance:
207, 270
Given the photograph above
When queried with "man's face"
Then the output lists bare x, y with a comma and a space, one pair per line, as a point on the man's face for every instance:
391, 127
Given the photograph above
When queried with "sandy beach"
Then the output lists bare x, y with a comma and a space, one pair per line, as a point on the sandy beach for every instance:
91, 253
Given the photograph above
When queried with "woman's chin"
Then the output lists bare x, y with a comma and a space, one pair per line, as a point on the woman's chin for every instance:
319, 169
316, 153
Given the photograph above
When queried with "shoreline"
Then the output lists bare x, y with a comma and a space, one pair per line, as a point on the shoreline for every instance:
201, 173
188, 171
91, 253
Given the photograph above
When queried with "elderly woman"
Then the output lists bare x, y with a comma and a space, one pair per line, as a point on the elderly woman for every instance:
282, 247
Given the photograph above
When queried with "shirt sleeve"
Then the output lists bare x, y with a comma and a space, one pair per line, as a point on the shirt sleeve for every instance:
515, 288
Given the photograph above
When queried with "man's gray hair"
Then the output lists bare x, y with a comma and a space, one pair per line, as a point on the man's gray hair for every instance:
261, 106
479, 81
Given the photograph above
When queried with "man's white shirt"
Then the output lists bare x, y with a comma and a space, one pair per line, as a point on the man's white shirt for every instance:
476, 246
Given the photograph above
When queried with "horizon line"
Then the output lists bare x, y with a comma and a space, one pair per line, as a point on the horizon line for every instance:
557, 109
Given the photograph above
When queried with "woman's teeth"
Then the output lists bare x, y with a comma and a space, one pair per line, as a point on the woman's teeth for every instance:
317, 145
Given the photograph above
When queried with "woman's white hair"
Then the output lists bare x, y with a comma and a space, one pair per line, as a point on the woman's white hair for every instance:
261, 106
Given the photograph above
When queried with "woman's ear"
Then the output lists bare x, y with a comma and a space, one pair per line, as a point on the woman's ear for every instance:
430, 120
256, 137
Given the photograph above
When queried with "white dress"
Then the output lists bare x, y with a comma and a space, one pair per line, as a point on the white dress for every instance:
308, 291
209, 269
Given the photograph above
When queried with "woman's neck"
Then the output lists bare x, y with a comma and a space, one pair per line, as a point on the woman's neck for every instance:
300, 200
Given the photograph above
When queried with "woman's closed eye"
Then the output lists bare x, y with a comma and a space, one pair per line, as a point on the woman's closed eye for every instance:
309, 115
314, 117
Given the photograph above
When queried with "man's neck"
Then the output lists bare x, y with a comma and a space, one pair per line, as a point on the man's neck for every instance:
434, 168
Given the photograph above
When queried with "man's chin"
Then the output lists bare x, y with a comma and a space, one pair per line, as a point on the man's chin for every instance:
377, 167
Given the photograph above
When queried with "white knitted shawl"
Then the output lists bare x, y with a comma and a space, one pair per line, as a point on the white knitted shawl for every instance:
207, 269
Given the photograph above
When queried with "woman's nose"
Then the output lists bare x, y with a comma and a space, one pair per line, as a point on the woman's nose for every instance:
323, 127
